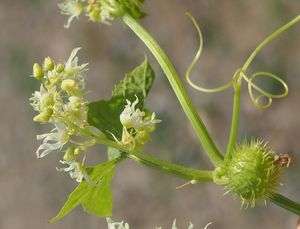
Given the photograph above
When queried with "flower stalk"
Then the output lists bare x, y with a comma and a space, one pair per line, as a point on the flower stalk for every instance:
151, 161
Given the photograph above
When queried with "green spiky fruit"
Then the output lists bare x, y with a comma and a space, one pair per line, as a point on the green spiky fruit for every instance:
252, 173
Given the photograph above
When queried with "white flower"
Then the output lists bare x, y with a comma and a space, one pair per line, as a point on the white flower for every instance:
135, 118
120, 225
44, 98
116, 225
72, 68
52, 141
38, 97
76, 171
71, 8
76, 110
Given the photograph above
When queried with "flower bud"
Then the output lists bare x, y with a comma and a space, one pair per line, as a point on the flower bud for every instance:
60, 68
48, 64
38, 71
44, 116
252, 173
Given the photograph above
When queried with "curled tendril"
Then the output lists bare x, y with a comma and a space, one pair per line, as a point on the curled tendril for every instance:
194, 61
263, 93
239, 74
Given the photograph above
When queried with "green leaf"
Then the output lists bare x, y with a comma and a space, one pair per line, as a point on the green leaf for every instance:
105, 115
95, 198
138, 82
99, 199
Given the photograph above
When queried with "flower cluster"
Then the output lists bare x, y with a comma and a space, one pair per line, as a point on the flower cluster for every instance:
137, 125
101, 11
60, 102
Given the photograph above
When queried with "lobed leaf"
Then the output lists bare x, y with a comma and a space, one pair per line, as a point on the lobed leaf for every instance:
95, 198
136, 83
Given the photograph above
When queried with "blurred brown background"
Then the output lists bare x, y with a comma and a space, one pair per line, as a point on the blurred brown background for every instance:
32, 191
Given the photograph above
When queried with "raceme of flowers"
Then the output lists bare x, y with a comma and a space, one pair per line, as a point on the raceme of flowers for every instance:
60, 102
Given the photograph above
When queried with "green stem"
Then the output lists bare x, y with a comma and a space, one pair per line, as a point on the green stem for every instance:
146, 159
286, 203
237, 85
235, 116
158, 164
268, 40
207, 142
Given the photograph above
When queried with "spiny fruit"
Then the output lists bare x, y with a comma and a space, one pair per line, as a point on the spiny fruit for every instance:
251, 173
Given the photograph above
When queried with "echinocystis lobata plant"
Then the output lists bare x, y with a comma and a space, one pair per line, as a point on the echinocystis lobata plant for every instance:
249, 169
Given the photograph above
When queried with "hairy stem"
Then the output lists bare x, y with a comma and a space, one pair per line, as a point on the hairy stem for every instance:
173, 77
286, 203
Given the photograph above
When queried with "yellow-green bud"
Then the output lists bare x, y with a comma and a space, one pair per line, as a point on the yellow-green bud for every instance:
60, 68
69, 155
48, 64
38, 71
44, 116
68, 85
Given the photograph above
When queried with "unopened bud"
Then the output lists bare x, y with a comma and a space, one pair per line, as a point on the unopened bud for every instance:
48, 64
38, 71
60, 68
